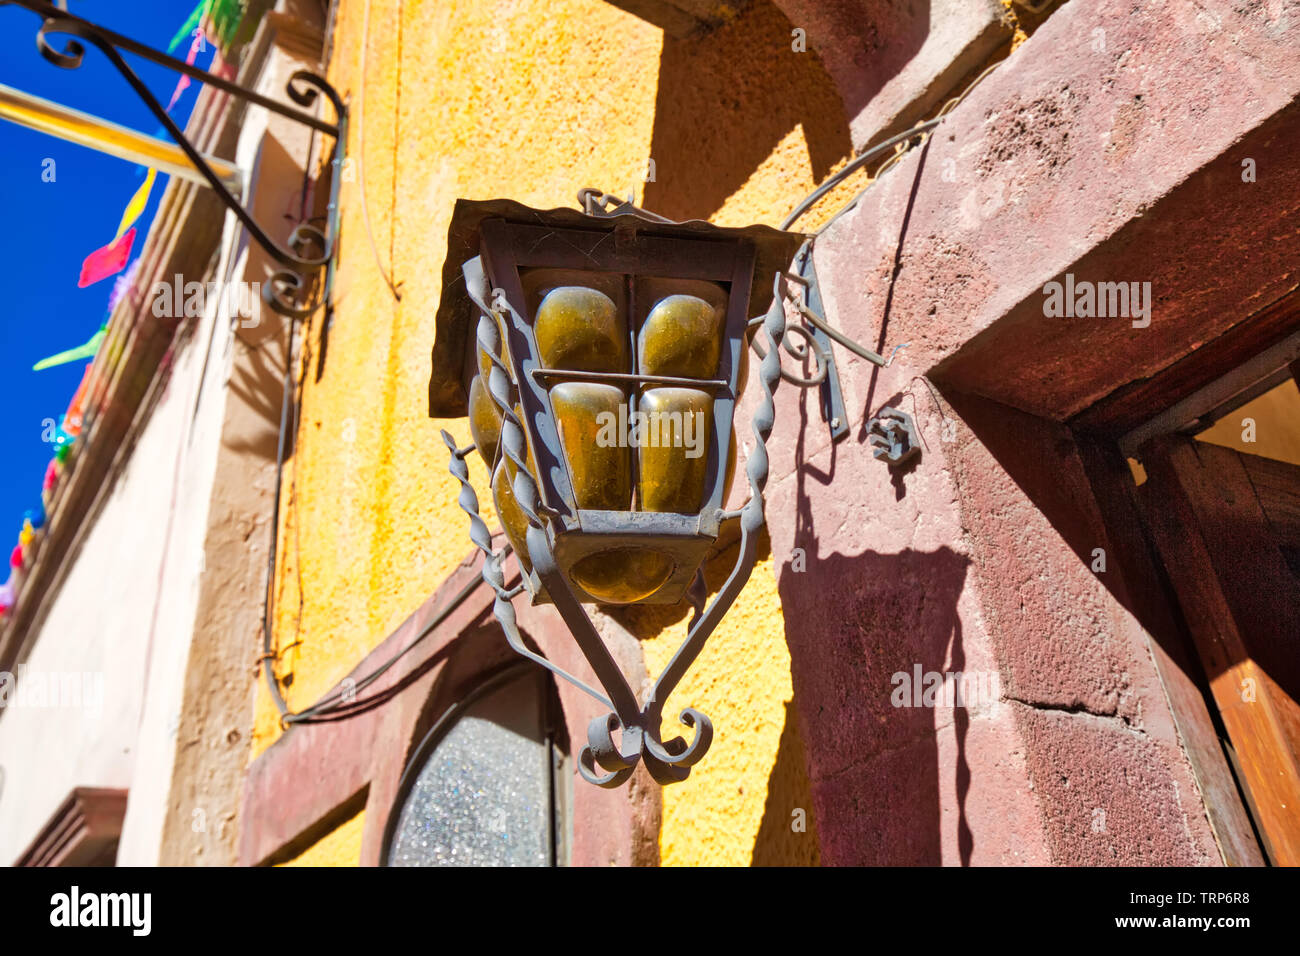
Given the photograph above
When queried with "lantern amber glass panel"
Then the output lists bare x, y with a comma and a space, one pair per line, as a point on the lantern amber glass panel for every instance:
626, 446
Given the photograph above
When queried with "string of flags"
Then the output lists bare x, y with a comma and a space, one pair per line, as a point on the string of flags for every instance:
111, 259
211, 21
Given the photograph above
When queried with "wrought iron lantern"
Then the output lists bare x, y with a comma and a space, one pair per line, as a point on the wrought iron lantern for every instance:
599, 357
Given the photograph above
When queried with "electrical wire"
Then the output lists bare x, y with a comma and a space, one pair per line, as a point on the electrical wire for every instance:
342, 699
339, 699
856, 163
862, 159
898, 143
268, 655
956, 101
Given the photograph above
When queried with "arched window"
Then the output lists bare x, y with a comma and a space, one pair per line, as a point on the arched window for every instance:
488, 784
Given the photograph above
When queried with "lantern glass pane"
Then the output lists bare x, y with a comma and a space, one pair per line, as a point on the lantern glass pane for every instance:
627, 444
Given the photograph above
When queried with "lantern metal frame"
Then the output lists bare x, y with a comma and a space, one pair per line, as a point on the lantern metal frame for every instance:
572, 532
508, 237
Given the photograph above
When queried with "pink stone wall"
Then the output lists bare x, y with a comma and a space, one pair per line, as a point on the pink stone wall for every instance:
1116, 153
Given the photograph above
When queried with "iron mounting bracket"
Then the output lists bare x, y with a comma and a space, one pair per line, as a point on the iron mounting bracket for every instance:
308, 248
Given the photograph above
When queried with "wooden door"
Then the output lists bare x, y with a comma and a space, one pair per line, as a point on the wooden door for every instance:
1227, 525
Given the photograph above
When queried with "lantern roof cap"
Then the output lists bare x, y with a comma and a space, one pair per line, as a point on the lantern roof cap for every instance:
456, 315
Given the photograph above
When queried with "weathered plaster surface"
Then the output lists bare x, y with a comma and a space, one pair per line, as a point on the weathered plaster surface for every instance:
532, 101
103, 627
1115, 156
340, 847
1094, 153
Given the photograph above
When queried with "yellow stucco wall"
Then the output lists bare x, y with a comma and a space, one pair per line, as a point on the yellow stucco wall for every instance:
533, 99
738, 806
340, 847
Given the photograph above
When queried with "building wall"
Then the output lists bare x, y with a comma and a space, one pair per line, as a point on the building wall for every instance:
989, 544
124, 622
220, 669
531, 100
340, 847
972, 560
161, 601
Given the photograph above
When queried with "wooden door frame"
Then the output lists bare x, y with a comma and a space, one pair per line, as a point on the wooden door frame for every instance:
1204, 516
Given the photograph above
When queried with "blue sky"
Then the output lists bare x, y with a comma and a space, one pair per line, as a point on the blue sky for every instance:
50, 227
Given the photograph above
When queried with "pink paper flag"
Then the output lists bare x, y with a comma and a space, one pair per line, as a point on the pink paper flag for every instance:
109, 260
184, 81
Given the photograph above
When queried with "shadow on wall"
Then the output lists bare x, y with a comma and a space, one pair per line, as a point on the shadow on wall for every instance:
788, 834
778, 842
726, 100
865, 43
853, 622
1083, 488
258, 381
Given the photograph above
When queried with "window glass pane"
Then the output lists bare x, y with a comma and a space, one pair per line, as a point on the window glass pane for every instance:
483, 796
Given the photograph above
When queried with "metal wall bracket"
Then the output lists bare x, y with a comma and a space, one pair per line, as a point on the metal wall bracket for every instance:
892, 436
817, 337
605, 205
816, 343
834, 411
308, 248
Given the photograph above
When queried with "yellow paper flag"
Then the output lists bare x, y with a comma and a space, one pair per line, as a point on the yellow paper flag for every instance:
136, 206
